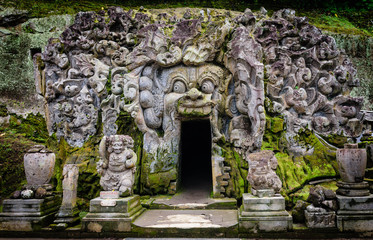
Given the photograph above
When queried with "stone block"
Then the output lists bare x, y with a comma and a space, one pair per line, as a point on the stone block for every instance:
355, 223
320, 219
120, 205
253, 203
28, 214
253, 224
355, 213
266, 214
355, 203
112, 215
101, 222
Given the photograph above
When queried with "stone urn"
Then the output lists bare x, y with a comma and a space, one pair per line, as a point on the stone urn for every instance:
39, 165
352, 163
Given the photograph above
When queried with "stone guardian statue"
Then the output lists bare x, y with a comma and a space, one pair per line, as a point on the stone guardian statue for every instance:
117, 165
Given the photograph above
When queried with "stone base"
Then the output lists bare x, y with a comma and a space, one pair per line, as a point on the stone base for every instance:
112, 215
353, 189
355, 213
28, 214
66, 218
355, 223
265, 214
320, 219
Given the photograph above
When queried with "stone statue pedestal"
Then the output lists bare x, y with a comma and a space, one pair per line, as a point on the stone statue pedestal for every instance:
264, 214
110, 213
65, 218
28, 214
355, 213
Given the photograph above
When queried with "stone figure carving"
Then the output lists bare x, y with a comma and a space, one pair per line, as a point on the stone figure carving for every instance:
261, 175
163, 70
117, 166
68, 212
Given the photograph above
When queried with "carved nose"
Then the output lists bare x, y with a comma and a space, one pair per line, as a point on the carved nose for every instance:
194, 94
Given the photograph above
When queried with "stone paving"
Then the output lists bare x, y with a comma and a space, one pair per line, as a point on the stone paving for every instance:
187, 219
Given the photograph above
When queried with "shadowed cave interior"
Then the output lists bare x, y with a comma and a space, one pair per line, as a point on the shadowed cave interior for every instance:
196, 171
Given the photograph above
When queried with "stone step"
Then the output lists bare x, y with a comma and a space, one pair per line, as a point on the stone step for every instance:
189, 222
208, 203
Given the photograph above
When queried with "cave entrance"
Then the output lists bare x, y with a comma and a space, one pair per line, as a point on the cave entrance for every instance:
195, 165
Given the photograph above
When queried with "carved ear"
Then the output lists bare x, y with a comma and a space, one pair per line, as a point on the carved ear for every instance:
102, 148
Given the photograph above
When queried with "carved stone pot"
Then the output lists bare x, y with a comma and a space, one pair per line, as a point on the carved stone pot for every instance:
39, 165
352, 163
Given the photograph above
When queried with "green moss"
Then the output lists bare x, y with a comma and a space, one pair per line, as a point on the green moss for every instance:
13, 146
3, 110
159, 182
237, 184
277, 124
336, 140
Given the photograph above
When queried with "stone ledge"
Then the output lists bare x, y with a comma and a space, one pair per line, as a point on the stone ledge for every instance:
253, 203
355, 223
355, 203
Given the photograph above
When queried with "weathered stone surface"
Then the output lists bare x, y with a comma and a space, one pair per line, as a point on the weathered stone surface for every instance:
114, 217
28, 214
39, 165
355, 222
274, 203
352, 163
355, 203
187, 219
162, 71
262, 176
264, 214
322, 219
298, 211
118, 164
68, 212
121, 206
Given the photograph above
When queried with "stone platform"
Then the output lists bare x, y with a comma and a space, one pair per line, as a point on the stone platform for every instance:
265, 214
355, 213
164, 221
112, 215
28, 214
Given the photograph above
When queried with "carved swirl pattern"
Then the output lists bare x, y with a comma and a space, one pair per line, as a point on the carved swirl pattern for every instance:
113, 61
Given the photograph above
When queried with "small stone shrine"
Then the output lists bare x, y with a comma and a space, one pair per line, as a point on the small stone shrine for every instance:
36, 205
264, 209
111, 212
354, 199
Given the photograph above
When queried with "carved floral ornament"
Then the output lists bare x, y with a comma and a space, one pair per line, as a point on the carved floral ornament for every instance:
161, 69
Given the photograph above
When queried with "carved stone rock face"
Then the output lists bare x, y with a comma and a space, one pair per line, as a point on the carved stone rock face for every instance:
162, 70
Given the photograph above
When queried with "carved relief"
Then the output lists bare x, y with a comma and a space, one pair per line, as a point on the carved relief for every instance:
163, 70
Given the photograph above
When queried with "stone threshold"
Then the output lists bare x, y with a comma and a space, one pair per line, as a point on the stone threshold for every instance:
169, 202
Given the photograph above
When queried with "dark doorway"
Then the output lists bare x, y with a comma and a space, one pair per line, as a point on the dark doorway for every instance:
196, 170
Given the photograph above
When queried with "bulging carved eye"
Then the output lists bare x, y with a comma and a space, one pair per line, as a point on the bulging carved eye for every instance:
179, 87
207, 87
